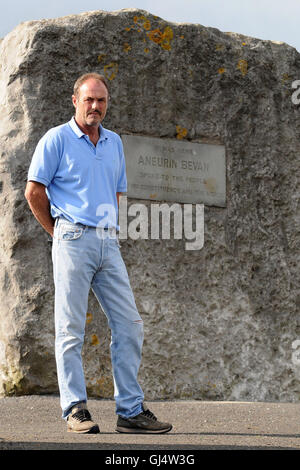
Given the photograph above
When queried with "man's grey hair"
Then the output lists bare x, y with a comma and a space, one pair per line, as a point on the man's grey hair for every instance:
83, 78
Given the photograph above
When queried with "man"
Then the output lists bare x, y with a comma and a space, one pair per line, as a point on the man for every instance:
74, 181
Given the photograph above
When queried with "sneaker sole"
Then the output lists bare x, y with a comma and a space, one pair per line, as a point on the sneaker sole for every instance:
142, 431
93, 430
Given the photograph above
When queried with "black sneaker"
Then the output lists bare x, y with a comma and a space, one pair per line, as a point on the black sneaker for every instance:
80, 421
144, 423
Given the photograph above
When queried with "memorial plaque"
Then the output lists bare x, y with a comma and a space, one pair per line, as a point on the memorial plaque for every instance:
174, 170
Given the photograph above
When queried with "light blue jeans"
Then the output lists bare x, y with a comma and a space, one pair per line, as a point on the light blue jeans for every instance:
84, 258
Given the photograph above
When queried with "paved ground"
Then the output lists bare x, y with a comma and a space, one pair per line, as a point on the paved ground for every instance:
34, 423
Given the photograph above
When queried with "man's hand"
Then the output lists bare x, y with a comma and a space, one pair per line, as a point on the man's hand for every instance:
39, 204
118, 198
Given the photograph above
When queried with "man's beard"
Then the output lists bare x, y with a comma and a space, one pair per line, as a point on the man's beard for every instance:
96, 123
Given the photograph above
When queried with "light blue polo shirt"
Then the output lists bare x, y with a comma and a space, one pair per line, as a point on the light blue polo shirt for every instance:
81, 179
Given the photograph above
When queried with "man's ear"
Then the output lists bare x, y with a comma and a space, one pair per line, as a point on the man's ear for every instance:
74, 101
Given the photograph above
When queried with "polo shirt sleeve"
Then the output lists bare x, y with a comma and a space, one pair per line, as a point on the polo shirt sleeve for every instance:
46, 159
122, 181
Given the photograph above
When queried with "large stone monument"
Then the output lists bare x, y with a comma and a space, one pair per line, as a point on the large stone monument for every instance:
221, 322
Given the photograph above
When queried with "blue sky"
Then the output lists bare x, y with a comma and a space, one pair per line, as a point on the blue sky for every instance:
264, 19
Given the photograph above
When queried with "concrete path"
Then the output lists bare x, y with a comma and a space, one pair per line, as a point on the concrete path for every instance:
34, 423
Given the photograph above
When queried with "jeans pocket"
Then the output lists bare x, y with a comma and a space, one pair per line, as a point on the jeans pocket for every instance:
69, 232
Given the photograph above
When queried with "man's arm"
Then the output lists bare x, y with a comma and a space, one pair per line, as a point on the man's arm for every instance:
39, 204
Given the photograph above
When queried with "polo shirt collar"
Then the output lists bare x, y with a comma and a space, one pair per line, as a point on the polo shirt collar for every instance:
79, 133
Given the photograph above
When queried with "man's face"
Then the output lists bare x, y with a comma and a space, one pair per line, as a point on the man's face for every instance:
91, 103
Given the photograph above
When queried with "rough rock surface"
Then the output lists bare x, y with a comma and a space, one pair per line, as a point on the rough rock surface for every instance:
220, 322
